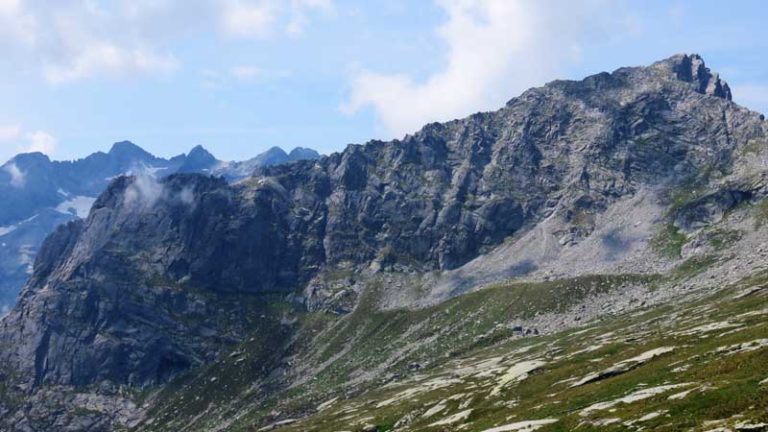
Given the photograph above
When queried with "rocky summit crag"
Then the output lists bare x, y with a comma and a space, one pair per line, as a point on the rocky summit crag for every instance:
191, 303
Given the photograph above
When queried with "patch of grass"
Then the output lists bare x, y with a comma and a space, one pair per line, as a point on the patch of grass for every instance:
688, 190
583, 218
669, 241
721, 238
693, 266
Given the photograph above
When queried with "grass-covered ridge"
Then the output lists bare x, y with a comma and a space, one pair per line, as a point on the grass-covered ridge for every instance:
355, 353
712, 371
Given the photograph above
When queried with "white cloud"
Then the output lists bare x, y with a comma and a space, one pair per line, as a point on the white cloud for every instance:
143, 192
39, 141
16, 24
187, 196
250, 73
299, 11
249, 19
73, 40
14, 140
264, 18
104, 58
495, 49
18, 178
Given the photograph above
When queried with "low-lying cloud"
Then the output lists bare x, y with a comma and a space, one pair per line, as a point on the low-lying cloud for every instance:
146, 190
143, 192
18, 177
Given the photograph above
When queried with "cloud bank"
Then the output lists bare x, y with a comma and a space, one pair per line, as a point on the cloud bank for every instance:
143, 192
75, 40
494, 49
146, 190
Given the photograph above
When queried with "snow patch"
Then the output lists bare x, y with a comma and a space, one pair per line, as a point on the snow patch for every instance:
743, 347
529, 425
327, 404
11, 228
753, 313
606, 422
7, 230
623, 366
416, 390
439, 407
681, 395
516, 373
707, 328
630, 398
79, 206
651, 416
459, 416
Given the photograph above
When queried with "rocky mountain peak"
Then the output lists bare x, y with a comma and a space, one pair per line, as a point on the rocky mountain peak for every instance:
127, 148
199, 151
30, 159
273, 156
301, 153
198, 159
124, 154
691, 68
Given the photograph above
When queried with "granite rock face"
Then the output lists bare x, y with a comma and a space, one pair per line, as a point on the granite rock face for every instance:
163, 274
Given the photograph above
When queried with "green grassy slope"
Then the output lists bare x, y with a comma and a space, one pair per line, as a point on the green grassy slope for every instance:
711, 371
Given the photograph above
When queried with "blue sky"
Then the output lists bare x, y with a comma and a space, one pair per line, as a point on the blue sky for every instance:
240, 76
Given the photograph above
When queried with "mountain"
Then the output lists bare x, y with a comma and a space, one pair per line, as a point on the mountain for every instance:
273, 156
40, 194
198, 160
429, 283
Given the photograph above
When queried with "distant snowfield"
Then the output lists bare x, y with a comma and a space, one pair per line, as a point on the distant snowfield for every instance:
80, 206
11, 228
7, 230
